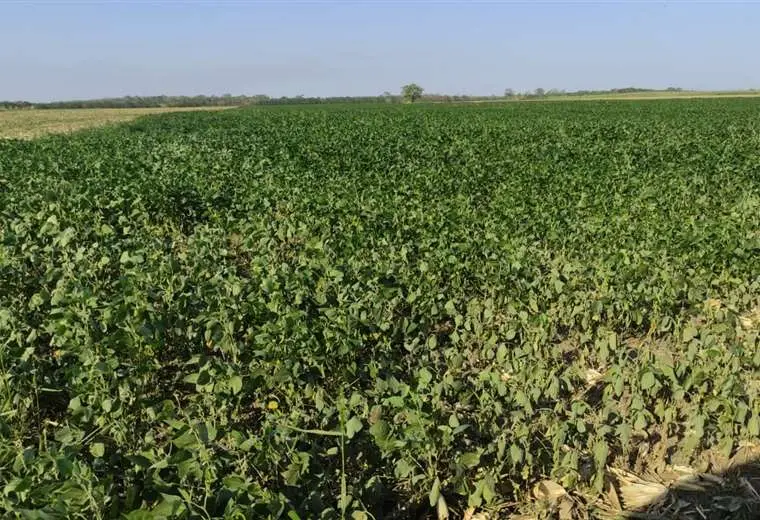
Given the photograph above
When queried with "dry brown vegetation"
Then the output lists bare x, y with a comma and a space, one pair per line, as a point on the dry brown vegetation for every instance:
640, 96
27, 124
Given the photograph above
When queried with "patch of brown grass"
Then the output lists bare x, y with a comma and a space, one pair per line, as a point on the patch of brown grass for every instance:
28, 124
642, 96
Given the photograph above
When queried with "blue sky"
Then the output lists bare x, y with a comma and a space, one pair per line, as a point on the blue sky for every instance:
59, 50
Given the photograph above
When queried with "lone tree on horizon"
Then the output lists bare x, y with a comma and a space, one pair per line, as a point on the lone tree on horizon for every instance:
411, 92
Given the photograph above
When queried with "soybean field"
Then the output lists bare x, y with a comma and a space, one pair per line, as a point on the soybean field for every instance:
545, 309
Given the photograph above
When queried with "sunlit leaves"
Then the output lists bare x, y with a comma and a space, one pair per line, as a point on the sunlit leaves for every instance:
292, 312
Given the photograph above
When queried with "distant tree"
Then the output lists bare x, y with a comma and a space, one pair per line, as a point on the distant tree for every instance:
540, 92
508, 92
411, 92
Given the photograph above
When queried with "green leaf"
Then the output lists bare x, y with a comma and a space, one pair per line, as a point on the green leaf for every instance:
403, 469
648, 380
516, 454
236, 384
435, 492
142, 515
424, 377
18, 485
234, 482
601, 452
65, 466
97, 449
689, 332
170, 506
353, 426
470, 459
523, 400
379, 430
641, 422
37, 514
36, 301
186, 440
753, 426
206, 432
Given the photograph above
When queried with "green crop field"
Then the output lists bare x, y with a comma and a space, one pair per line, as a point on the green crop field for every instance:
381, 312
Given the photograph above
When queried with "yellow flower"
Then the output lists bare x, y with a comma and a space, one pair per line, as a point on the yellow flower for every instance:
272, 405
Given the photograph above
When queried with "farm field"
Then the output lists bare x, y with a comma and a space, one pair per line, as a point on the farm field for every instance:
656, 95
26, 124
541, 309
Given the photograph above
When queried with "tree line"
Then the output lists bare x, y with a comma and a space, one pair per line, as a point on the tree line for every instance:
226, 100
409, 93
142, 102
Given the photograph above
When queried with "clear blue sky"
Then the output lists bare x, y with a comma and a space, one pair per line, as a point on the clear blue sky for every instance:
65, 51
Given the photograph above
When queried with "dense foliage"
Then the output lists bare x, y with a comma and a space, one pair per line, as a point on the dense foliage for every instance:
326, 312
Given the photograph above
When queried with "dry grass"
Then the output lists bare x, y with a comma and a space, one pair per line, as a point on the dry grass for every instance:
629, 96
638, 96
27, 124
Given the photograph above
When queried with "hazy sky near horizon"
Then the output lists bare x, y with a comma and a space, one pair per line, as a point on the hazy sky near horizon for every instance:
57, 50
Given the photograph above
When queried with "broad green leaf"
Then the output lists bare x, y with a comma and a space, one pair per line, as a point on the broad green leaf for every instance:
236, 384
353, 426
470, 459
97, 449
689, 332
424, 377
648, 380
